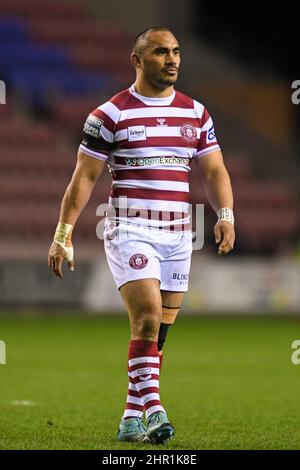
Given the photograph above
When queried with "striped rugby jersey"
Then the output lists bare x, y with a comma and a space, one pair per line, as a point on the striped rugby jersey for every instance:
148, 144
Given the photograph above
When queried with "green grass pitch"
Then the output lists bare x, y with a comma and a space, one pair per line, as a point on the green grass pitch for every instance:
227, 383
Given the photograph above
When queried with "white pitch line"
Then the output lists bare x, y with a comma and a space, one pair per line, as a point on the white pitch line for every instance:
24, 403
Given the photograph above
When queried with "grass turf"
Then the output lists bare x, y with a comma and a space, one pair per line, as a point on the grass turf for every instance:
227, 383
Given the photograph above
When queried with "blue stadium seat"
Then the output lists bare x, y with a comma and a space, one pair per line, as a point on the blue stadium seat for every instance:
12, 30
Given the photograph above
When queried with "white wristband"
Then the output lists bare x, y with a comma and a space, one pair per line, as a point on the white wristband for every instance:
225, 214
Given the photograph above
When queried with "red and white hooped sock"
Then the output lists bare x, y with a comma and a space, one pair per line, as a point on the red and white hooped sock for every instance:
143, 371
134, 405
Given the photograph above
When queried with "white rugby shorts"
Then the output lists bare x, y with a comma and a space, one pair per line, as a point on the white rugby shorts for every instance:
136, 252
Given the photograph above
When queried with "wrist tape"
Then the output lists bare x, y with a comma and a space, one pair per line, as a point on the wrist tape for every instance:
225, 214
63, 237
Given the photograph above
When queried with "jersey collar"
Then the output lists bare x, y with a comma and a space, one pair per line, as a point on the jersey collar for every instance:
153, 101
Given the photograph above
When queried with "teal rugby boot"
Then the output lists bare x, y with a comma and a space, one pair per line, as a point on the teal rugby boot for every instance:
132, 430
159, 428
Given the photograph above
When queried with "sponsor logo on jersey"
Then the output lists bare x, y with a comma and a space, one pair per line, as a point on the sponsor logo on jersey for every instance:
144, 161
211, 135
92, 126
138, 261
189, 133
136, 133
161, 122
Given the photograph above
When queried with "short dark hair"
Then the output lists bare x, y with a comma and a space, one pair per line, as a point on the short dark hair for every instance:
144, 33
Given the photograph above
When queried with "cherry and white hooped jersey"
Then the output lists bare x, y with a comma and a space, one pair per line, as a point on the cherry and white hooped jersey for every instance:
148, 144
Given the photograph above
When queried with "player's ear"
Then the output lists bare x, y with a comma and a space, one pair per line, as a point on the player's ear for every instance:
135, 60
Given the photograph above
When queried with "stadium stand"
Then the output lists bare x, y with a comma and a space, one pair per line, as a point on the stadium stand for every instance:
56, 72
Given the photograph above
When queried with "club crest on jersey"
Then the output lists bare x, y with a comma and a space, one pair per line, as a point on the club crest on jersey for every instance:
189, 133
92, 126
138, 261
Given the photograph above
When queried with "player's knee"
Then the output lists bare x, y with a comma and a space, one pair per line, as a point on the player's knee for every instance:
163, 330
148, 324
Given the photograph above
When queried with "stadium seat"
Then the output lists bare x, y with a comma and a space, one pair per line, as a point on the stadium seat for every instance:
36, 9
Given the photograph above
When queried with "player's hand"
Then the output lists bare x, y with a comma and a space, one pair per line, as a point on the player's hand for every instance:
56, 256
224, 236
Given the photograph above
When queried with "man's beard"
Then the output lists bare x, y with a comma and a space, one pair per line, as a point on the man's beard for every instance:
167, 81
160, 81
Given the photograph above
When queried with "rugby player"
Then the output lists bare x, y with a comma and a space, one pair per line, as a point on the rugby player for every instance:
148, 135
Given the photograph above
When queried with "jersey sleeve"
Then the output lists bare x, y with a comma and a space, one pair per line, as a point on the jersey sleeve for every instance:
208, 141
98, 132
